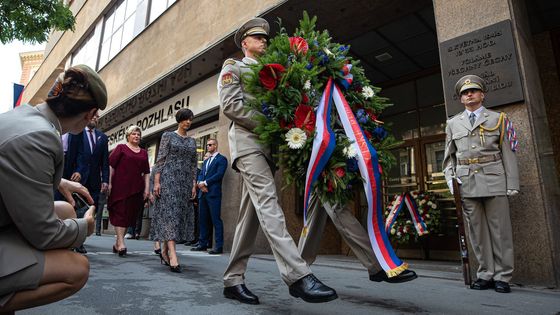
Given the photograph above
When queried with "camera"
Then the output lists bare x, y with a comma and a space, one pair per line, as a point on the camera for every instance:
81, 205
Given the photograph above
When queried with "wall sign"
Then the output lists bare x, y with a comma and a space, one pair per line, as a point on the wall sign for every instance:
199, 98
489, 53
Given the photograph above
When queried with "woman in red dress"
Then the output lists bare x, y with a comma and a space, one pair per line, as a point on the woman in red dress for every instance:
128, 185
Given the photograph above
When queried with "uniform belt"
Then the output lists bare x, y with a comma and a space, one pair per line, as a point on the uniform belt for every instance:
480, 159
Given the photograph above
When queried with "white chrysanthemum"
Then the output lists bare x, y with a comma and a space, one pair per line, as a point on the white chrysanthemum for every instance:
434, 206
367, 92
408, 222
296, 138
350, 152
393, 231
307, 85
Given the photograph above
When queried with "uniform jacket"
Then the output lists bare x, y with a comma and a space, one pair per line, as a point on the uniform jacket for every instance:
463, 141
242, 140
213, 176
31, 163
94, 166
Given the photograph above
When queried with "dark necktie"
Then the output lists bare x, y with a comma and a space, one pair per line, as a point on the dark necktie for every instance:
472, 118
91, 140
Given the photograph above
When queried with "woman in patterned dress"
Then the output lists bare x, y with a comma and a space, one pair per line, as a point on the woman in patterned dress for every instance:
174, 186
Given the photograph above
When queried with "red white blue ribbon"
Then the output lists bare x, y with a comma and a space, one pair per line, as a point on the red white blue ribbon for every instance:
400, 201
511, 135
323, 147
368, 165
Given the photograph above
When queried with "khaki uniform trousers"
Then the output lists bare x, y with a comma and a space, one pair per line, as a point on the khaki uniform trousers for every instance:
352, 232
259, 207
491, 236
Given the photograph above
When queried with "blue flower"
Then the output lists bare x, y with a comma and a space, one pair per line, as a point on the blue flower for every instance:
323, 58
380, 133
342, 48
362, 116
266, 110
309, 66
352, 165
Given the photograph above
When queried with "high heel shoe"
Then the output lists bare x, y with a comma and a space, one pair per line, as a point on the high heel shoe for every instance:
162, 260
115, 250
157, 251
176, 269
122, 252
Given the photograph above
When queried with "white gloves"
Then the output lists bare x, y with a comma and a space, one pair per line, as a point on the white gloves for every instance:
512, 192
450, 184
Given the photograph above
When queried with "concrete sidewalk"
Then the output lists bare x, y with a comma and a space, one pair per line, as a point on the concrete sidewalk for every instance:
139, 284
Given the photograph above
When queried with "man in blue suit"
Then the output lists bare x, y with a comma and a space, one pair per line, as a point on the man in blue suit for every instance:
210, 199
93, 165
72, 148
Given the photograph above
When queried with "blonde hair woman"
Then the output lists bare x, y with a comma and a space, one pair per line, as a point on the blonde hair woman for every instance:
128, 184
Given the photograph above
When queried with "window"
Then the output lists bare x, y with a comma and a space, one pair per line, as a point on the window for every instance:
158, 7
87, 52
126, 20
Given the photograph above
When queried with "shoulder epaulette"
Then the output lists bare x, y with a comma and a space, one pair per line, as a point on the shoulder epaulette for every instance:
229, 61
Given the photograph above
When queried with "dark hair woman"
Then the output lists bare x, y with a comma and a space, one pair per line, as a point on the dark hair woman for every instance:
174, 186
36, 266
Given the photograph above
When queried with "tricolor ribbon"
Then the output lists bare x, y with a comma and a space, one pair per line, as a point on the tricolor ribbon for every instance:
368, 165
323, 147
511, 135
400, 201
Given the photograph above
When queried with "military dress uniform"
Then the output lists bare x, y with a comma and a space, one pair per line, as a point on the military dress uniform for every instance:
481, 157
259, 201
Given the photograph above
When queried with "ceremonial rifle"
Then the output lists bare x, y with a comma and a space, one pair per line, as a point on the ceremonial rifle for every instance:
461, 230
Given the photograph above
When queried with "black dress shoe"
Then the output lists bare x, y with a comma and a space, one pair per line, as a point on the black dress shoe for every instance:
199, 249
481, 284
241, 293
98, 233
404, 276
81, 249
216, 251
502, 287
312, 290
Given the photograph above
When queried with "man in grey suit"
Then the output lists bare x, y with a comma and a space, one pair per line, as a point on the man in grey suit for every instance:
259, 201
480, 155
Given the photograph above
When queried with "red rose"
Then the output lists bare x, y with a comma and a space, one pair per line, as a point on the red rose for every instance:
304, 99
339, 171
298, 45
330, 187
270, 75
285, 125
305, 118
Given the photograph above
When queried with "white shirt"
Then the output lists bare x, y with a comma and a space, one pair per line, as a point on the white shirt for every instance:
476, 112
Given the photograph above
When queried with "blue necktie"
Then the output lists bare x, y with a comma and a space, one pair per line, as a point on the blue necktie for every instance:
472, 118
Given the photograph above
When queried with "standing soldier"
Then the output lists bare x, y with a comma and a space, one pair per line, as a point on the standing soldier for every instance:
259, 200
479, 152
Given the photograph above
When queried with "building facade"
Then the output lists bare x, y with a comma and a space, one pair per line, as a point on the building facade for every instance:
30, 63
157, 56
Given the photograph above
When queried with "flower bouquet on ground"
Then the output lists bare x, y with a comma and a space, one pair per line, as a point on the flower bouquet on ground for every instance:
423, 219
288, 84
